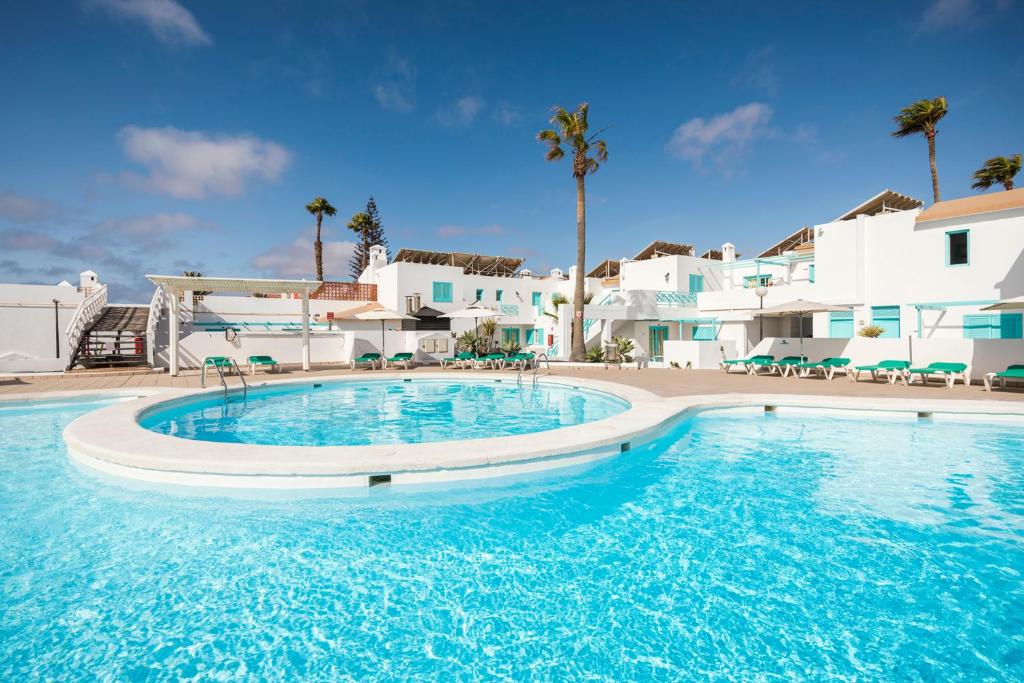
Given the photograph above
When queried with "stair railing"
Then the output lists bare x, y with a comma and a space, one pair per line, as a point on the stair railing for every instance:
90, 307
156, 306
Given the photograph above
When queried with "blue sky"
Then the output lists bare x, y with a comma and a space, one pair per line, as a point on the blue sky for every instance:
158, 135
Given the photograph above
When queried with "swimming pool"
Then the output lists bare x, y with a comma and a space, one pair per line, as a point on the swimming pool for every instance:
381, 412
738, 545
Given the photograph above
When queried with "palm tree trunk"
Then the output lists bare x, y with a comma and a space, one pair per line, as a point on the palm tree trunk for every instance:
579, 347
1008, 184
931, 162
318, 249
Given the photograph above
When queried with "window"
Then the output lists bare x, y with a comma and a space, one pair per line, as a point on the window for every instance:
479, 295
840, 324
757, 281
535, 299
443, 292
957, 247
810, 273
996, 326
510, 334
888, 318
497, 295
696, 283
535, 336
704, 332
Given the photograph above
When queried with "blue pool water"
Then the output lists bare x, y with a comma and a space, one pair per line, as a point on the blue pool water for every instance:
737, 547
379, 412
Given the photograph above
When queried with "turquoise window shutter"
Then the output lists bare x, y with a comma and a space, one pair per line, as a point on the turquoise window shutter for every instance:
840, 324
479, 295
996, 326
696, 283
1010, 325
888, 318
535, 298
810, 272
443, 292
497, 295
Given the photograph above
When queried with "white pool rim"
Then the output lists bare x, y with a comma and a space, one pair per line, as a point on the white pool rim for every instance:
112, 441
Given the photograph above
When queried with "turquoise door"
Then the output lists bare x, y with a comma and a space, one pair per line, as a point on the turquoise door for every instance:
840, 325
656, 336
510, 334
888, 318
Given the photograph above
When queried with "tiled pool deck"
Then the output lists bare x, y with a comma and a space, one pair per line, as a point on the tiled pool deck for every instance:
664, 382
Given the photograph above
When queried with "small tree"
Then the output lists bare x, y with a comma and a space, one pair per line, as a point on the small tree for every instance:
361, 224
487, 330
871, 331
372, 234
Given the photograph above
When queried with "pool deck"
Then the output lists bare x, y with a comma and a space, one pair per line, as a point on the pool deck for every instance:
663, 382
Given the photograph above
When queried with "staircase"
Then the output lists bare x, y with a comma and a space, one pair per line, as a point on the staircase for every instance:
116, 338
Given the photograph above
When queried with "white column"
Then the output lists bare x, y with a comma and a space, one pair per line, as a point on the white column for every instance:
173, 334
305, 330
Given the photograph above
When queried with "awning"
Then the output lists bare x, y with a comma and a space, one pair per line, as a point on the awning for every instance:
182, 283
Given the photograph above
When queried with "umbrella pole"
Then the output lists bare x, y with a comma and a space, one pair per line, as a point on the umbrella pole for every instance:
382, 339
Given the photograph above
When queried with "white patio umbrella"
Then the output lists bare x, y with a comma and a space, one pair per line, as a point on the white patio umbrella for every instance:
383, 314
1014, 304
475, 312
799, 308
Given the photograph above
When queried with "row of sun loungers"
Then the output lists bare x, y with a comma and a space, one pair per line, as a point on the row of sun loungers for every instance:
496, 361
891, 371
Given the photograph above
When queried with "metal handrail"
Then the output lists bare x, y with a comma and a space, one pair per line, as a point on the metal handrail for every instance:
536, 366
223, 379
89, 308
245, 385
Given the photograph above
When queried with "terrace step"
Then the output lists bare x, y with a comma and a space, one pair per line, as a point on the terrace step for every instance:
116, 338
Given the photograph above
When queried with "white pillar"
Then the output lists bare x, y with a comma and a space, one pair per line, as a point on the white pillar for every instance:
173, 333
305, 330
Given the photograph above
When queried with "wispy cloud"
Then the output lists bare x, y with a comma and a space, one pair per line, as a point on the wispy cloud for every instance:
169, 21
463, 231
395, 88
461, 112
941, 15
193, 165
19, 208
296, 259
759, 71
724, 139
506, 114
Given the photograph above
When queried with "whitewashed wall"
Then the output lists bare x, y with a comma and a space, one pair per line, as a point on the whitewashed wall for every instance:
27, 341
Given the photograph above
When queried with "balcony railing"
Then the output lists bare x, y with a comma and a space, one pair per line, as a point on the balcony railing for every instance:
681, 299
510, 309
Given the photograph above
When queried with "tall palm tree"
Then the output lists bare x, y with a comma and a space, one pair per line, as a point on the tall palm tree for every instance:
997, 170
319, 207
573, 130
361, 224
921, 117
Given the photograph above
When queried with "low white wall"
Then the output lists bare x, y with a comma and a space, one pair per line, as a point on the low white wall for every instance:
701, 355
27, 327
981, 355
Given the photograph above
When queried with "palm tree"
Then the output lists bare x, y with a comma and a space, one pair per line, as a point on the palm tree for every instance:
362, 225
319, 207
921, 117
573, 130
999, 170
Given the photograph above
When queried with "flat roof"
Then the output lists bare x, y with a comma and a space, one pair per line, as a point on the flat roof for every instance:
182, 283
885, 201
605, 269
971, 206
471, 264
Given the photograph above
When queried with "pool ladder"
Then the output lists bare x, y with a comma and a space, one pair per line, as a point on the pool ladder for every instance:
534, 369
224, 382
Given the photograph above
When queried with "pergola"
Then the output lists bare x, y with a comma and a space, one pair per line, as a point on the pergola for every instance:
177, 285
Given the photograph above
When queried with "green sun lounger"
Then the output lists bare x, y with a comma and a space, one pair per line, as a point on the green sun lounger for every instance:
1012, 372
889, 369
404, 359
370, 359
758, 363
787, 363
262, 361
491, 360
223, 362
727, 365
826, 367
948, 372
517, 360
458, 360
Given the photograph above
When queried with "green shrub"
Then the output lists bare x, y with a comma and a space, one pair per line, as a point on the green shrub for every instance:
871, 331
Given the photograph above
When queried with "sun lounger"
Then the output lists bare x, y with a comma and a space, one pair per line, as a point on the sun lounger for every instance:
758, 363
889, 369
491, 360
370, 359
948, 372
727, 365
223, 362
784, 365
518, 360
458, 360
404, 359
262, 361
826, 367
1011, 372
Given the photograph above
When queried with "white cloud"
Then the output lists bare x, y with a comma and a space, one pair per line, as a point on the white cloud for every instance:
21, 209
171, 23
758, 71
192, 165
506, 114
462, 231
295, 260
958, 14
143, 227
724, 138
462, 112
395, 88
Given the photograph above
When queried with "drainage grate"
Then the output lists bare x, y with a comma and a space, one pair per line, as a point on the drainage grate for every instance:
317, 386
769, 409
406, 380
378, 479
624, 447
924, 416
